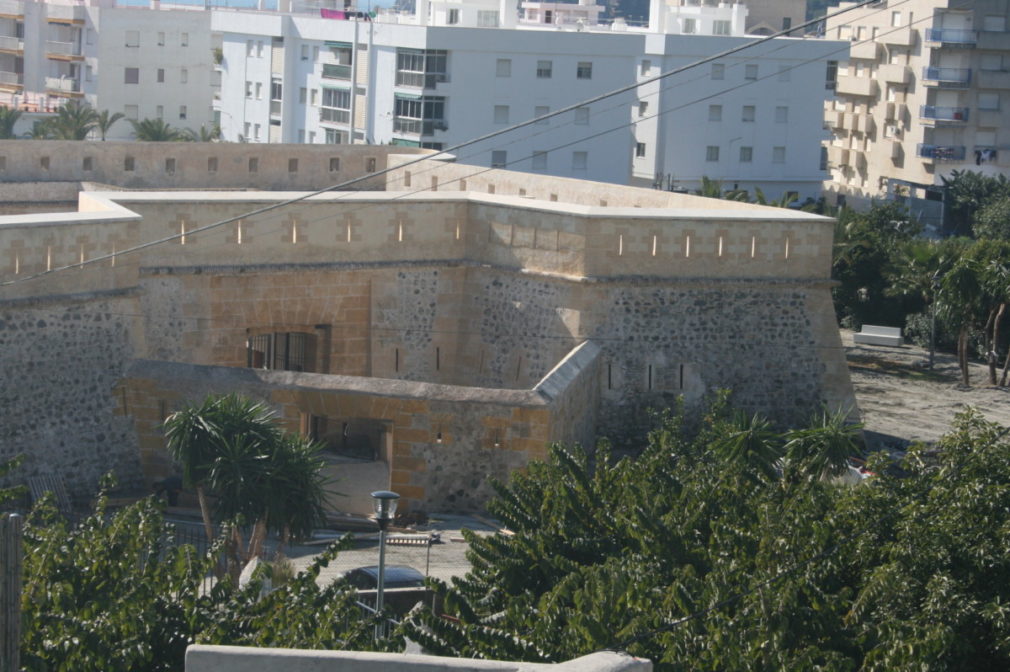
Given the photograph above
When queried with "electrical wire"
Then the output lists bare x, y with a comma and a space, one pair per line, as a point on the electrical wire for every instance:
564, 110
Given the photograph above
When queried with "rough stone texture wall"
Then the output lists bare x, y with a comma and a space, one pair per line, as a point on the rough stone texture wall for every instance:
484, 432
60, 361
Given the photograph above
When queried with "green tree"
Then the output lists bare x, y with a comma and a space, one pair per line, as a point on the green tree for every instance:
968, 193
230, 446
992, 220
204, 134
73, 121
8, 118
12, 492
41, 130
156, 130
104, 121
115, 593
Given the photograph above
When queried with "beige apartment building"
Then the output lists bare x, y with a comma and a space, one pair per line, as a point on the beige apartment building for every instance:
925, 92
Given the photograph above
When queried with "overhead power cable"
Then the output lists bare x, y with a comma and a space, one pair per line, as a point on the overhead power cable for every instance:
427, 157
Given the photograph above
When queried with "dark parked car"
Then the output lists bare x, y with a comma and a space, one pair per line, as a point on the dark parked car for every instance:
397, 576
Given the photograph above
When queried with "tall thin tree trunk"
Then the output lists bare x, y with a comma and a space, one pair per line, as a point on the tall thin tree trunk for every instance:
990, 354
962, 355
208, 527
256, 538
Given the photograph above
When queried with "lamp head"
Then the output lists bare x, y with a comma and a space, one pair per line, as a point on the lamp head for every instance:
384, 503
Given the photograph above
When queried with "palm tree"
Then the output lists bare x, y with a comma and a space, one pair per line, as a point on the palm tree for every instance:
231, 447
750, 443
822, 449
41, 130
73, 121
104, 122
960, 296
8, 118
204, 134
156, 130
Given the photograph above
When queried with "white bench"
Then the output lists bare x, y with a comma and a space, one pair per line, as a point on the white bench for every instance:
873, 335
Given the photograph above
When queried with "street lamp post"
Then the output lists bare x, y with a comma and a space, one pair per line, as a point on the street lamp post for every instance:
385, 503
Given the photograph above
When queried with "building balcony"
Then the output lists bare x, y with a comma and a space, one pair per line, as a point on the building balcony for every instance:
946, 77
63, 85
856, 86
899, 37
331, 71
68, 14
333, 115
62, 50
940, 152
12, 9
833, 118
952, 115
865, 124
420, 80
865, 50
859, 160
896, 74
897, 149
11, 44
418, 126
838, 156
954, 37
993, 79
275, 108
895, 111
11, 79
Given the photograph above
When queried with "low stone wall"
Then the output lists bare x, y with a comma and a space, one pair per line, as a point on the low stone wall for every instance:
193, 165
202, 658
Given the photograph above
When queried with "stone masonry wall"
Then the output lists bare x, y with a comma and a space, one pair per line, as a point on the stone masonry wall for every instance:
60, 361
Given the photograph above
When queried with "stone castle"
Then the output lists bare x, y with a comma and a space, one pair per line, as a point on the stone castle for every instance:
439, 328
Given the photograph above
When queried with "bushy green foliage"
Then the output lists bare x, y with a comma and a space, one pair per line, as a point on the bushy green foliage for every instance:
968, 195
114, 592
615, 555
698, 559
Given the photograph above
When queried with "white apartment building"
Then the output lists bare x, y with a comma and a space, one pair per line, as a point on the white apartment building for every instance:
456, 70
925, 91
145, 62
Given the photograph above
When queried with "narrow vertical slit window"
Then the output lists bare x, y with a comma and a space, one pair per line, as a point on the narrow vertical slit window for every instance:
294, 232
655, 245
438, 359
753, 246
648, 381
610, 376
396, 360
687, 246
681, 383
238, 231
17, 264
49, 257
182, 231
620, 245
399, 232
720, 246
786, 251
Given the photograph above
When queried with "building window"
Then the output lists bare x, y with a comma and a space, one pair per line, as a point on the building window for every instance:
184, 40
690, 26
248, 89
544, 69
250, 48
503, 67
539, 160
750, 71
305, 52
501, 114
787, 22
182, 111
785, 73
332, 136
715, 112
994, 23
748, 113
712, 153
831, 75
161, 75
487, 18
988, 101
824, 158
183, 76
129, 164
259, 90
640, 150
423, 68
781, 114
643, 108
718, 71
281, 351
720, 27
131, 112
133, 38
256, 133
584, 70
335, 164
778, 154
161, 39
314, 97
419, 115
540, 111
159, 111
499, 158
895, 19
581, 116
131, 75
452, 18
645, 67
303, 95
580, 160
746, 154
212, 164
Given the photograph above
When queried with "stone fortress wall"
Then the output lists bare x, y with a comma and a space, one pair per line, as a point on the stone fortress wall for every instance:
462, 294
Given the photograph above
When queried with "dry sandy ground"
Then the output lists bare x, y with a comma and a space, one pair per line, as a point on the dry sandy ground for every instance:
901, 400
